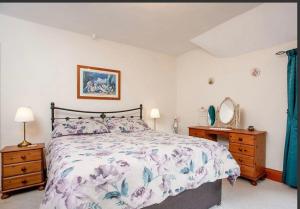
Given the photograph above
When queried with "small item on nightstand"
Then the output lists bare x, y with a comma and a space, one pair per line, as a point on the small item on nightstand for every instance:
250, 128
175, 126
154, 114
24, 114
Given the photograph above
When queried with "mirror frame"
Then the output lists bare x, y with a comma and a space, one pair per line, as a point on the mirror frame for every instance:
234, 106
235, 121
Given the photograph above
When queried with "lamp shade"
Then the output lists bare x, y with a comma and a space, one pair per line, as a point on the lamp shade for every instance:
154, 113
24, 114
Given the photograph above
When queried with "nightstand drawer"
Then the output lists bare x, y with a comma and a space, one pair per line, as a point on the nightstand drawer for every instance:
22, 168
243, 159
21, 156
241, 149
242, 138
22, 181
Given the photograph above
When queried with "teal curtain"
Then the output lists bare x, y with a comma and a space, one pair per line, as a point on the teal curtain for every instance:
291, 139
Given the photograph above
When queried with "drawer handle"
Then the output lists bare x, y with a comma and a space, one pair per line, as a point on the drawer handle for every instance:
24, 182
23, 157
24, 169
240, 149
245, 150
240, 139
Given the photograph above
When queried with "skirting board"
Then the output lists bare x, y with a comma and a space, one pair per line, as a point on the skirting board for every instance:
274, 175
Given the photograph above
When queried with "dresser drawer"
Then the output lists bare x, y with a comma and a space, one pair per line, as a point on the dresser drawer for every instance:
243, 159
22, 168
197, 133
22, 181
241, 149
22, 156
242, 138
248, 171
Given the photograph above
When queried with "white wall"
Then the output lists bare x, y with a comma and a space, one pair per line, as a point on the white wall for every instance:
38, 65
263, 99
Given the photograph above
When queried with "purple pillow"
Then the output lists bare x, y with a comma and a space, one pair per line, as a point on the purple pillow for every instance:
78, 127
125, 125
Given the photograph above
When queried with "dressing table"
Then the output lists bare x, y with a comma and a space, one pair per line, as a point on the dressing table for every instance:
248, 148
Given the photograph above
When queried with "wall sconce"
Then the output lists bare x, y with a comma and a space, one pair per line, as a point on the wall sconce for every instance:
255, 72
211, 81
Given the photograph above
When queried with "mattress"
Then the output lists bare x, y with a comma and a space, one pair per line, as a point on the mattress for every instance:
130, 170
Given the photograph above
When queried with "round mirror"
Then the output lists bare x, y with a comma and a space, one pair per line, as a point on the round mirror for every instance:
226, 112
211, 115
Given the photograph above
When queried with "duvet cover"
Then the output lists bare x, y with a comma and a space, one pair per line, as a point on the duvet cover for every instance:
130, 170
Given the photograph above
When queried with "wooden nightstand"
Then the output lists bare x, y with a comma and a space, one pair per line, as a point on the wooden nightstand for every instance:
22, 167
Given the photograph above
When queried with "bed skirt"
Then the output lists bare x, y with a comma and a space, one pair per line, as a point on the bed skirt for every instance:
204, 197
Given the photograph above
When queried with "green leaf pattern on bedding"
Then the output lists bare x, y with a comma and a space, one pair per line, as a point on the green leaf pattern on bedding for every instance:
130, 170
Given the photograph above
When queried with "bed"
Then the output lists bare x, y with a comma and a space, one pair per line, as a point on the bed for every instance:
133, 169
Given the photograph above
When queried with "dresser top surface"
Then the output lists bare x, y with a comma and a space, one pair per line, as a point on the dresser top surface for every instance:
238, 131
15, 148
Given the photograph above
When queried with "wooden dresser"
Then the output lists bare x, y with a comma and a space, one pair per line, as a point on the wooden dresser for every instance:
247, 147
22, 167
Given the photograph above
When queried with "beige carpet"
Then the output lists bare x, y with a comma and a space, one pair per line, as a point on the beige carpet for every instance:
266, 195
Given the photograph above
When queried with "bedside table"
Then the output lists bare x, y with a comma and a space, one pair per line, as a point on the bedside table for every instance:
22, 167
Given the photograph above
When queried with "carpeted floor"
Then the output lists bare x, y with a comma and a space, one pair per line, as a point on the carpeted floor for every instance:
266, 195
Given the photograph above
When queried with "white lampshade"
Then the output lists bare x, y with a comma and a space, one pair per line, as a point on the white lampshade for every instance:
24, 114
154, 113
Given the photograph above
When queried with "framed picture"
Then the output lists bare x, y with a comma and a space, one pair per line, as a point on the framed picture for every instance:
98, 83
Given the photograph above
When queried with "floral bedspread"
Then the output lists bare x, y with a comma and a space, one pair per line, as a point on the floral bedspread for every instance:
130, 170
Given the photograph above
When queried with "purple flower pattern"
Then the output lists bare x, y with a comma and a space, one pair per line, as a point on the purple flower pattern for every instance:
130, 170
126, 125
78, 127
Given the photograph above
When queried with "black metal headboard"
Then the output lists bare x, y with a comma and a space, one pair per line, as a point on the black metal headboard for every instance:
102, 114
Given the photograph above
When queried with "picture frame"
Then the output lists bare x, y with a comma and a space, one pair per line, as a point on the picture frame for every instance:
98, 83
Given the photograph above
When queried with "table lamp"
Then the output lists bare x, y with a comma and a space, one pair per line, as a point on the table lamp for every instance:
24, 114
154, 114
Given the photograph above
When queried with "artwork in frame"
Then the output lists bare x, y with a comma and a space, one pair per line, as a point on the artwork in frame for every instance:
98, 83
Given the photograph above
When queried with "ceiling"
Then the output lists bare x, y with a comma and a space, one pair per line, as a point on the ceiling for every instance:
163, 27
265, 26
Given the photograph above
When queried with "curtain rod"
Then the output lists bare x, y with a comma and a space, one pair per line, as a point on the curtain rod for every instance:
280, 52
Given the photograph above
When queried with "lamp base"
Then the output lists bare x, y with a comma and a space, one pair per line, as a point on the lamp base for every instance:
24, 143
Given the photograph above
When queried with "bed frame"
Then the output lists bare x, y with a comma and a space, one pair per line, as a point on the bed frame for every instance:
203, 197
101, 114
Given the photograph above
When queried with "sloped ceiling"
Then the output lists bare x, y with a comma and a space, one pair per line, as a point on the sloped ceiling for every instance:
163, 27
264, 26
222, 29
